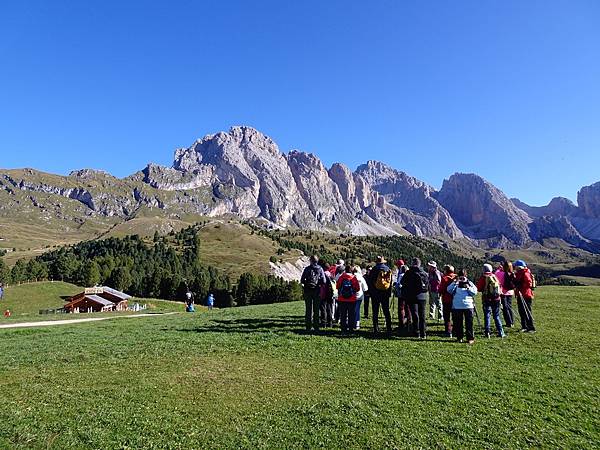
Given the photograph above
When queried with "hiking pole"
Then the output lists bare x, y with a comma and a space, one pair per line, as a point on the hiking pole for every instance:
524, 307
530, 319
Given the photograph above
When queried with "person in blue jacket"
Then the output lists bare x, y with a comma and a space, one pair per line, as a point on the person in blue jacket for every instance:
210, 301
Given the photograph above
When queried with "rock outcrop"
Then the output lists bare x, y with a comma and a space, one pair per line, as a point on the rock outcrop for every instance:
588, 199
558, 206
481, 210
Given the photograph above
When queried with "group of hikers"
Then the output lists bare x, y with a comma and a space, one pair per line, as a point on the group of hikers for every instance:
334, 294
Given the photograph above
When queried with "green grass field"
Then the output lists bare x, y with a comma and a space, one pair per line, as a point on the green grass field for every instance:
250, 378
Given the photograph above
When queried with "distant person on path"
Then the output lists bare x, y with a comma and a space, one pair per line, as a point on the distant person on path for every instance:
506, 277
435, 303
189, 301
415, 288
447, 279
1, 291
360, 295
347, 286
326, 293
312, 279
380, 287
7, 314
524, 283
463, 294
210, 301
491, 292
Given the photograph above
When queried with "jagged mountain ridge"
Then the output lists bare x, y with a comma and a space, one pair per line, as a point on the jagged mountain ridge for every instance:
243, 173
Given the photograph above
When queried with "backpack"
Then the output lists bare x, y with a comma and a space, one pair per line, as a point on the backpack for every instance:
346, 289
509, 281
384, 280
491, 290
326, 292
311, 277
424, 278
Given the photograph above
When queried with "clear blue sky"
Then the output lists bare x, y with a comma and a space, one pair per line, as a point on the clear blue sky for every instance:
507, 89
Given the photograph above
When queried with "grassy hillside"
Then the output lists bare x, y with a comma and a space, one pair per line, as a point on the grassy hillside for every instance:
25, 302
251, 378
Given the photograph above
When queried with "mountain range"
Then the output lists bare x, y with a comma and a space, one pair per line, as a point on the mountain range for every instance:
242, 173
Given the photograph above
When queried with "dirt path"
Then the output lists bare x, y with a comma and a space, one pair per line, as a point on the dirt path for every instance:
48, 323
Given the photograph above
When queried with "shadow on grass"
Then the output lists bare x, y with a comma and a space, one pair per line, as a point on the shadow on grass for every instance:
295, 325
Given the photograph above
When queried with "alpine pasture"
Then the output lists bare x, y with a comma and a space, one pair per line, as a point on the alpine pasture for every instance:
252, 378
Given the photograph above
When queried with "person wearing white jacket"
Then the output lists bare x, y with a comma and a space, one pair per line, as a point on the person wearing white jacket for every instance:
360, 295
463, 293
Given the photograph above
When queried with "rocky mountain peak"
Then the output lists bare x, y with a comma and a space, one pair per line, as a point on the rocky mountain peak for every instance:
588, 199
481, 210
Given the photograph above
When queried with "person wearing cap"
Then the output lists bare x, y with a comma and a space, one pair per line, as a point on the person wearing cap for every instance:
435, 303
491, 292
415, 288
447, 279
312, 279
362, 292
524, 293
340, 268
463, 293
380, 287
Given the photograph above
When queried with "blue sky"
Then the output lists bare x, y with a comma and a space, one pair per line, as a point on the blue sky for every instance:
506, 89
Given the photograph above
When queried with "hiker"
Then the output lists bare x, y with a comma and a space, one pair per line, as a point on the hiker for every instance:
463, 294
7, 314
367, 293
312, 279
360, 295
524, 286
1, 291
210, 301
435, 303
506, 277
340, 268
326, 293
189, 302
447, 279
415, 288
380, 283
347, 285
490, 289
404, 315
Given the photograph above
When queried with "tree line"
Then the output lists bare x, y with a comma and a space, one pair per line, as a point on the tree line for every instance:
166, 268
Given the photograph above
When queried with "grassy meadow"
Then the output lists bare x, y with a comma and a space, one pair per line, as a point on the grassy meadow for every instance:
251, 378
26, 300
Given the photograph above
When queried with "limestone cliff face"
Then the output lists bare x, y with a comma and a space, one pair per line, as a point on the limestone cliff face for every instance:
411, 195
243, 173
588, 199
296, 189
482, 210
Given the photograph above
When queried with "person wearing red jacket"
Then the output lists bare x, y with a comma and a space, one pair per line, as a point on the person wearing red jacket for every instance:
447, 279
347, 285
524, 293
